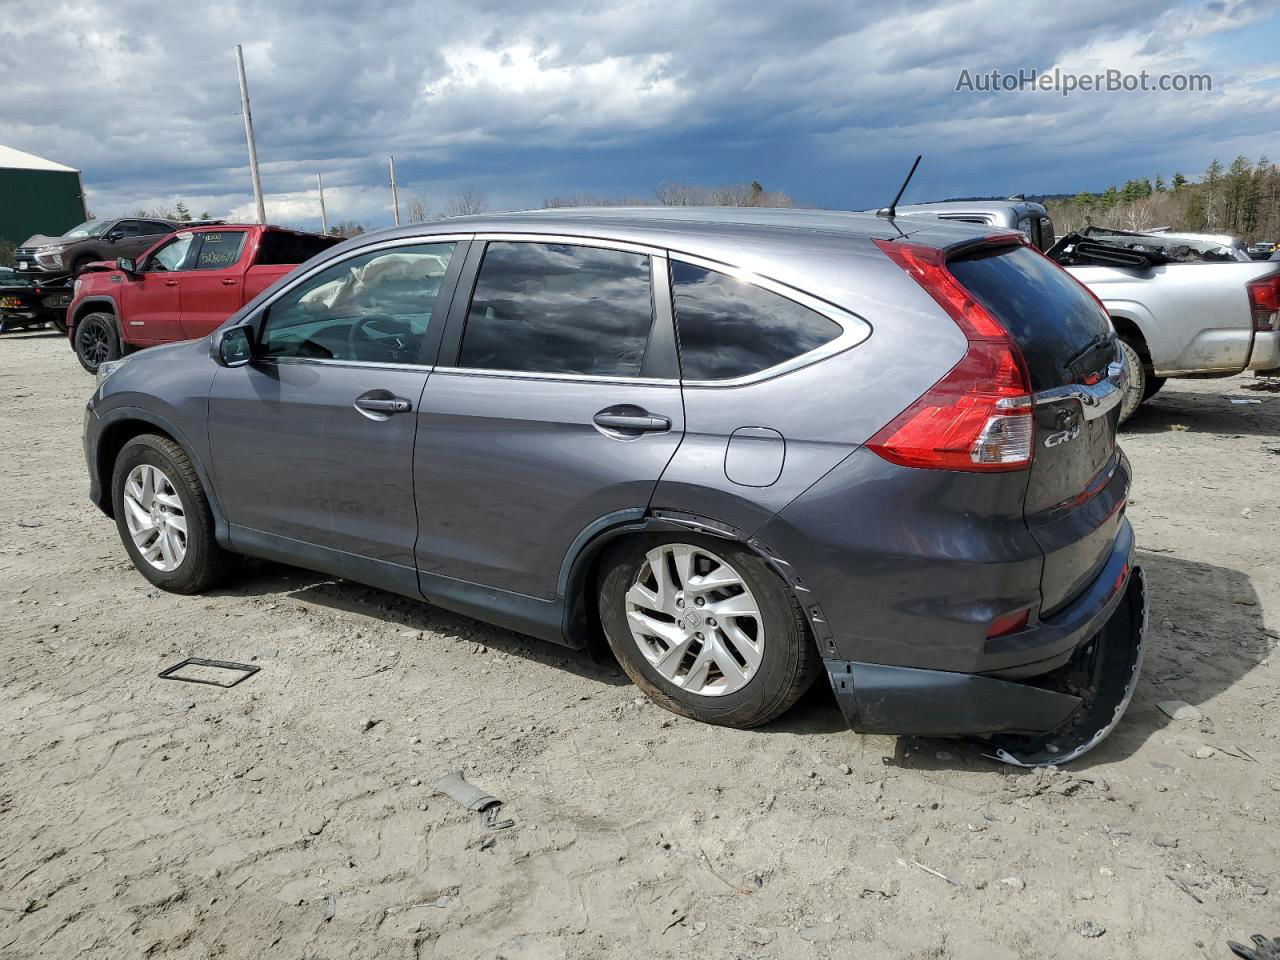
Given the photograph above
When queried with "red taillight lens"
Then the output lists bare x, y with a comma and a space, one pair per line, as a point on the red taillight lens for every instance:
1009, 623
979, 416
1264, 302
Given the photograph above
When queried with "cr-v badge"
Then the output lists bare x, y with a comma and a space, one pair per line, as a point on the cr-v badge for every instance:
1062, 436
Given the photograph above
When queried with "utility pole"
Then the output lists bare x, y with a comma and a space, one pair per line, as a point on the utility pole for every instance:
395, 198
324, 217
248, 135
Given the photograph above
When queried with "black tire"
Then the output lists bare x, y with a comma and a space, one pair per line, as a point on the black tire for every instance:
60, 325
78, 265
1154, 384
788, 665
205, 563
1135, 394
97, 340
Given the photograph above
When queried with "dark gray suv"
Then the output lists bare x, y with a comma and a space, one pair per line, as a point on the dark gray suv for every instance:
745, 446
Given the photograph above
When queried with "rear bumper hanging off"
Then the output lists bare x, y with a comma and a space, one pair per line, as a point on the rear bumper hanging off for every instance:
1052, 718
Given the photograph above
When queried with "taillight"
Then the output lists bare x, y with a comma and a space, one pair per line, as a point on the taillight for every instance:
1264, 302
980, 415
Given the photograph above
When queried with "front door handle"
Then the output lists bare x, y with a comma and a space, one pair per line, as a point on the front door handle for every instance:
381, 404
229, 282
642, 422
171, 283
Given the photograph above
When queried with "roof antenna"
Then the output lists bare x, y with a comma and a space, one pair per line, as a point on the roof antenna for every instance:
891, 210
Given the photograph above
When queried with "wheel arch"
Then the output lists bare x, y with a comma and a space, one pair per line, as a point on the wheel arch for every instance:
1129, 331
581, 570
121, 426
95, 304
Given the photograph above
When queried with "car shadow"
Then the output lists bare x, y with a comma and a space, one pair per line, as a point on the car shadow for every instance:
1209, 413
260, 578
1190, 656
26, 333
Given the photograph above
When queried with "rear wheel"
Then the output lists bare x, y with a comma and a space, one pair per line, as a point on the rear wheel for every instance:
706, 629
1135, 393
97, 340
163, 516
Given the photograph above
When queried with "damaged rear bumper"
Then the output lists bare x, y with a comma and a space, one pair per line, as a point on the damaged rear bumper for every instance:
1051, 718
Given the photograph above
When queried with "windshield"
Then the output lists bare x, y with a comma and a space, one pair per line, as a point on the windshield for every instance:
90, 228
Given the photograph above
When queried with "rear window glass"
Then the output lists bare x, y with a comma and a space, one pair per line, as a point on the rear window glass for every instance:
279, 247
1062, 331
731, 328
220, 249
559, 308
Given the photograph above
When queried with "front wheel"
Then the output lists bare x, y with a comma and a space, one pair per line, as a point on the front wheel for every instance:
97, 341
1136, 392
706, 629
163, 516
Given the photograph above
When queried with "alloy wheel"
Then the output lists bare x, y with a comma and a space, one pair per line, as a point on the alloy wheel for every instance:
695, 620
94, 344
153, 512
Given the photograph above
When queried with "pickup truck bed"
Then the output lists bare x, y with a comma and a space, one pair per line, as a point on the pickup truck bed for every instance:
1179, 317
182, 288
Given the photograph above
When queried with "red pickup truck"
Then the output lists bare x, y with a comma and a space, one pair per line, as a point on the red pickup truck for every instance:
181, 288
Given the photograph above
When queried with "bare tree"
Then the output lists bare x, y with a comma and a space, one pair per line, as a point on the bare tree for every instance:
465, 203
418, 210
1141, 214
347, 228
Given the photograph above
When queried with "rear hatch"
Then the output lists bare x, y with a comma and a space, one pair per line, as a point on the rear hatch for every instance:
1078, 479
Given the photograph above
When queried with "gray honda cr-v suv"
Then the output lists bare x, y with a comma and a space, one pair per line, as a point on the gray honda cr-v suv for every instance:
746, 446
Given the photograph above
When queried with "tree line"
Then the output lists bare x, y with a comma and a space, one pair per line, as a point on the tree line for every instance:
1242, 199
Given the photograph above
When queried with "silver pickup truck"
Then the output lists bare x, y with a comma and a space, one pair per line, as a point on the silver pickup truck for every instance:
1184, 306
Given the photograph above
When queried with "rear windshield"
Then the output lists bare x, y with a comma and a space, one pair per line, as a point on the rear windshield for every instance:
1063, 333
279, 247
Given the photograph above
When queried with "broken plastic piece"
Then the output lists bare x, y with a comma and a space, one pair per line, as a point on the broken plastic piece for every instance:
455, 787
1105, 676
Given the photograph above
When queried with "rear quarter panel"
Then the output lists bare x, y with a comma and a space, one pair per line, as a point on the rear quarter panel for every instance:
823, 411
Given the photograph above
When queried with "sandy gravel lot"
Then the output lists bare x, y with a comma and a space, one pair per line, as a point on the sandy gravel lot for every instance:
292, 816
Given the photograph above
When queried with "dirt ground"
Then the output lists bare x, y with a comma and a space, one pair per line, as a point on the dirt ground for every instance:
292, 815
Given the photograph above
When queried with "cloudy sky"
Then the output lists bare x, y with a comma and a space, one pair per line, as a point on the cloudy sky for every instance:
522, 100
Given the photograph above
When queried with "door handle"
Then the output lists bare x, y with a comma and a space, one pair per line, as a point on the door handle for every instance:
229, 282
639, 422
171, 283
383, 404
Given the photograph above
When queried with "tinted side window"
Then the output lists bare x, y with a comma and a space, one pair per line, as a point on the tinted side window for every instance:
220, 249
730, 328
374, 307
128, 228
155, 227
557, 308
283, 247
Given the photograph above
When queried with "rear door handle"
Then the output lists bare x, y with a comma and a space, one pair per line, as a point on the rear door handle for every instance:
641, 422
171, 283
229, 282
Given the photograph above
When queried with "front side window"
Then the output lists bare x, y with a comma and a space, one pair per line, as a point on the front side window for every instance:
173, 255
128, 228
152, 227
220, 249
730, 328
559, 308
374, 307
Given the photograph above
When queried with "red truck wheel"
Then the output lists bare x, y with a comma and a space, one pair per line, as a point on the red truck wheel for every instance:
96, 340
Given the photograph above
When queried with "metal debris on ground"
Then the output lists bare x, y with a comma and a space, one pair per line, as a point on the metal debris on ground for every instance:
246, 670
1262, 949
455, 787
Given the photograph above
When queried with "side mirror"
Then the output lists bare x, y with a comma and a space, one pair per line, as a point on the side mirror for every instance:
112, 236
232, 347
126, 265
